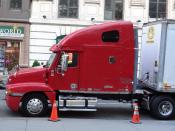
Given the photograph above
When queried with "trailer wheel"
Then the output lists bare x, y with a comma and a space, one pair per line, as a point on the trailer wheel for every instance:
34, 105
163, 107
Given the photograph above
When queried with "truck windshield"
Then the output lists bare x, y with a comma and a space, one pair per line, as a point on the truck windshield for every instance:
49, 62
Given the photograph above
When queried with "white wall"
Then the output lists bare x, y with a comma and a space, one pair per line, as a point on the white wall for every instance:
43, 36
87, 9
135, 10
44, 31
91, 9
171, 9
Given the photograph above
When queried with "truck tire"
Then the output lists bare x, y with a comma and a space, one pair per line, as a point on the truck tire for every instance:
34, 105
162, 107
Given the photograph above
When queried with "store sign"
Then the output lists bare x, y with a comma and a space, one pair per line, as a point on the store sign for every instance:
12, 31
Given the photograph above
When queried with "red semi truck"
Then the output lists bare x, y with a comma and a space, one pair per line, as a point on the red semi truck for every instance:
97, 62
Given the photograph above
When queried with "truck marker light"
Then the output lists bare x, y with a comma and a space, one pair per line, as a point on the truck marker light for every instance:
166, 86
108, 86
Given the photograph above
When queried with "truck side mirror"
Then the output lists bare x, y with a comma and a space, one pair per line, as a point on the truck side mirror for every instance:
64, 63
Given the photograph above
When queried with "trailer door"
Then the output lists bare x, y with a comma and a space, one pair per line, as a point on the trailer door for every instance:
169, 65
150, 51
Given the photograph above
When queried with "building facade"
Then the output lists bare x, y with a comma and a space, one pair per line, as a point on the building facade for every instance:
52, 19
100, 10
14, 34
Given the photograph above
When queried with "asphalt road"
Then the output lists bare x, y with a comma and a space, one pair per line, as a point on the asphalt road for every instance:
111, 116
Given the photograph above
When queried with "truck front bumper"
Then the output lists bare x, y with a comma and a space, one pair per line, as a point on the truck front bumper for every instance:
13, 102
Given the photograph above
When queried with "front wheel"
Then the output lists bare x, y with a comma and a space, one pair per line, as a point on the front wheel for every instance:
34, 105
163, 107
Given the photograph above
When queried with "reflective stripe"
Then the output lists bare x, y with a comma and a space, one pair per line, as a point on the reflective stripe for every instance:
93, 92
136, 113
136, 108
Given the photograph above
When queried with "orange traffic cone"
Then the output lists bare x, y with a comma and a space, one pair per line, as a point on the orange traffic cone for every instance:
136, 116
54, 115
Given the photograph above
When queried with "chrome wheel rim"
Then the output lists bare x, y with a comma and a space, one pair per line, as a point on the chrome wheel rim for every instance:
34, 106
165, 108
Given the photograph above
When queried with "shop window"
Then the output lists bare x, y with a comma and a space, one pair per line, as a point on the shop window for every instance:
2, 56
68, 8
110, 36
113, 10
16, 4
9, 55
157, 8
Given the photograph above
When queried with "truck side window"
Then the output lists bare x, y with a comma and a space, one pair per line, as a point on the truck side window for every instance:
110, 36
72, 59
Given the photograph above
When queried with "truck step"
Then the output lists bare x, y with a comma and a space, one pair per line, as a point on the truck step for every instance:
74, 103
72, 109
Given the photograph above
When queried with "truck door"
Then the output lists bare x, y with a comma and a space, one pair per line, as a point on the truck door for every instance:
68, 81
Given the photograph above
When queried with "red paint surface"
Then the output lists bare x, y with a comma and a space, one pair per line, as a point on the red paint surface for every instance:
93, 73
13, 102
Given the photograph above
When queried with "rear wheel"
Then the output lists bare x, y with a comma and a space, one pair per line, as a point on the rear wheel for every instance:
34, 105
163, 107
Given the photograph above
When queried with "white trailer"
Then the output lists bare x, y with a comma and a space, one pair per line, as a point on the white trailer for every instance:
157, 69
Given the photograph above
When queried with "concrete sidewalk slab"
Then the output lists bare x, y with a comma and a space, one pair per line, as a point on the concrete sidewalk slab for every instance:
13, 124
66, 124
2, 94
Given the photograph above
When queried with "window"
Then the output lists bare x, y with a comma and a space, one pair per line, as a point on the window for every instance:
113, 10
0, 3
51, 59
110, 36
68, 8
157, 8
72, 59
16, 4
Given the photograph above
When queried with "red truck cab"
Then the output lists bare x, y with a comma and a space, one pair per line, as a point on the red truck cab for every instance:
94, 62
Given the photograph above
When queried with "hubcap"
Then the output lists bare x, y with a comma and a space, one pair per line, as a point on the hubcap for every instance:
165, 108
34, 106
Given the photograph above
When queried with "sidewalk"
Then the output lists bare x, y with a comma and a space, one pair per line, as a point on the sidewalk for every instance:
66, 124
